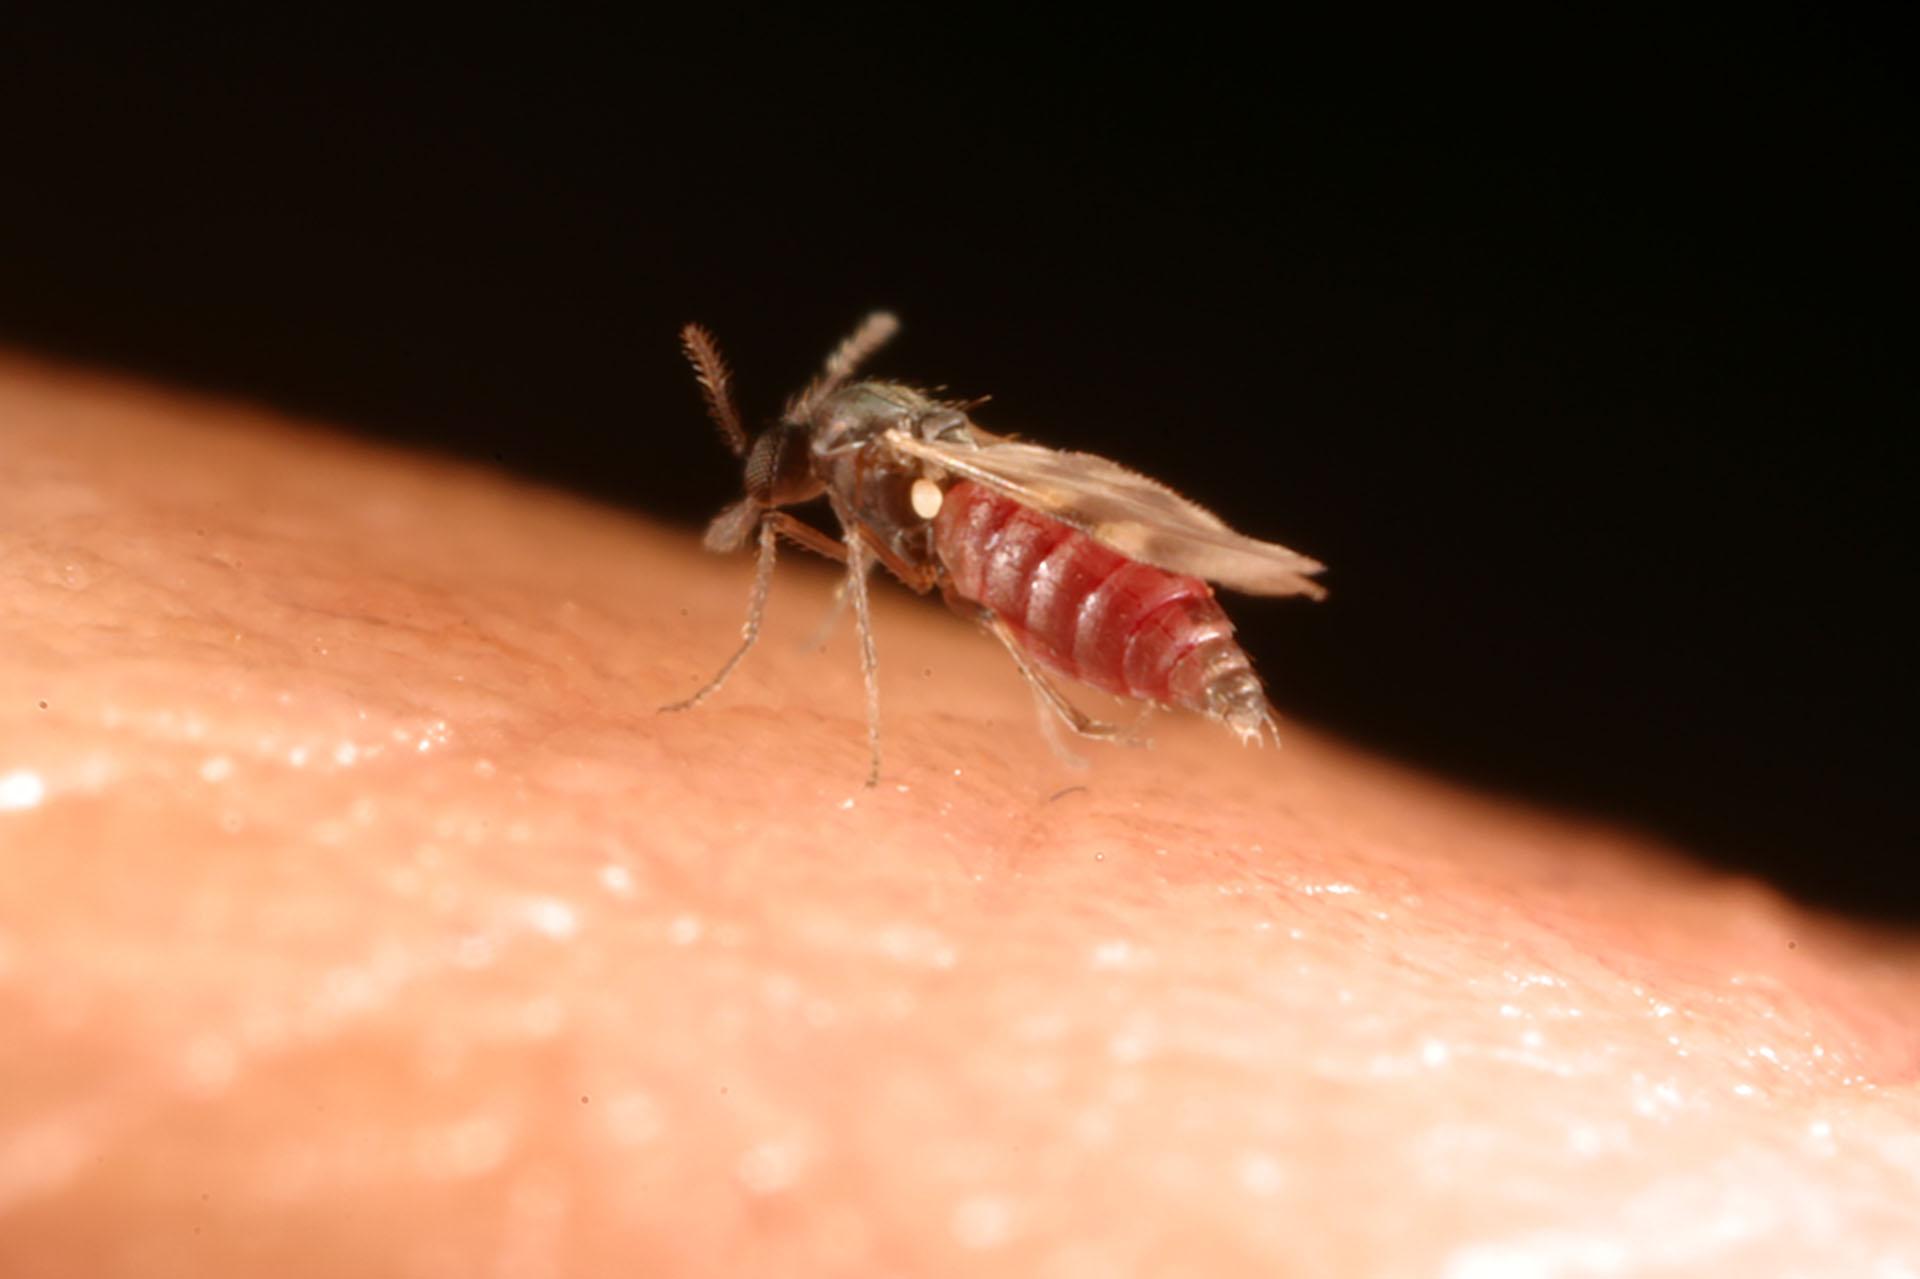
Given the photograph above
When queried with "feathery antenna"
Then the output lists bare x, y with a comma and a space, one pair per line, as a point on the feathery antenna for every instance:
715, 385
873, 333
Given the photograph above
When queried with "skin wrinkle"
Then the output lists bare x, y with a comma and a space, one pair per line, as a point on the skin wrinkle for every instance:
355, 904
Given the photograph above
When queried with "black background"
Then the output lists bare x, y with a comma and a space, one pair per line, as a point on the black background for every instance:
1582, 355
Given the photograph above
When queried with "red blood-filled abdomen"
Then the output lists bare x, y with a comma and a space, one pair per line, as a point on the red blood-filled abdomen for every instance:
1086, 611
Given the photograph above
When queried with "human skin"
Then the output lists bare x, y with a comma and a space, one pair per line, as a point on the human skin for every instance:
360, 915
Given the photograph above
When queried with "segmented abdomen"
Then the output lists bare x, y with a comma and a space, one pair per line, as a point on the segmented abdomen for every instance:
1091, 613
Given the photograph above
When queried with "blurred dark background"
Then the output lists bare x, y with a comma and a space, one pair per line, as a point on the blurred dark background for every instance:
1584, 356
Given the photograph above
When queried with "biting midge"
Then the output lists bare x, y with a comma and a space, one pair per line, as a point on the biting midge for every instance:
1080, 567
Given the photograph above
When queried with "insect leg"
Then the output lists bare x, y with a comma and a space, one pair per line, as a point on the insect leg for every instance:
859, 564
814, 540
801, 533
916, 577
773, 525
1050, 728
821, 633
756, 607
1049, 692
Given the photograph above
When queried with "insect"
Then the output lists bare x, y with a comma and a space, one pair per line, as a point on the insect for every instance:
1080, 567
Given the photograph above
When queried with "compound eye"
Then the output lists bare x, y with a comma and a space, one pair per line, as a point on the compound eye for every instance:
763, 465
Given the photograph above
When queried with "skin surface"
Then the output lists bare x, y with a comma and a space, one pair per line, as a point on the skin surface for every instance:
359, 915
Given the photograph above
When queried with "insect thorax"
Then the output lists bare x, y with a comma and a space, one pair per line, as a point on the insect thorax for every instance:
863, 412
870, 479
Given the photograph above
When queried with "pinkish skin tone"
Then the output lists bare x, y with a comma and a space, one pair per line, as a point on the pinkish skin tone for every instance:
360, 916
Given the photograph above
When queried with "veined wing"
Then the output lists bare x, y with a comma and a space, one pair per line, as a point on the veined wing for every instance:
1123, 510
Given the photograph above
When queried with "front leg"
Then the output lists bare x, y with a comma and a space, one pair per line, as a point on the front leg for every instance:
773, 525
859, 564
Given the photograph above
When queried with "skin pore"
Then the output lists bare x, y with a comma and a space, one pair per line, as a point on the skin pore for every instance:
360, 915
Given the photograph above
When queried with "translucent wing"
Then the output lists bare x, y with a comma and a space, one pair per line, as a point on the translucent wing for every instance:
1124, 510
